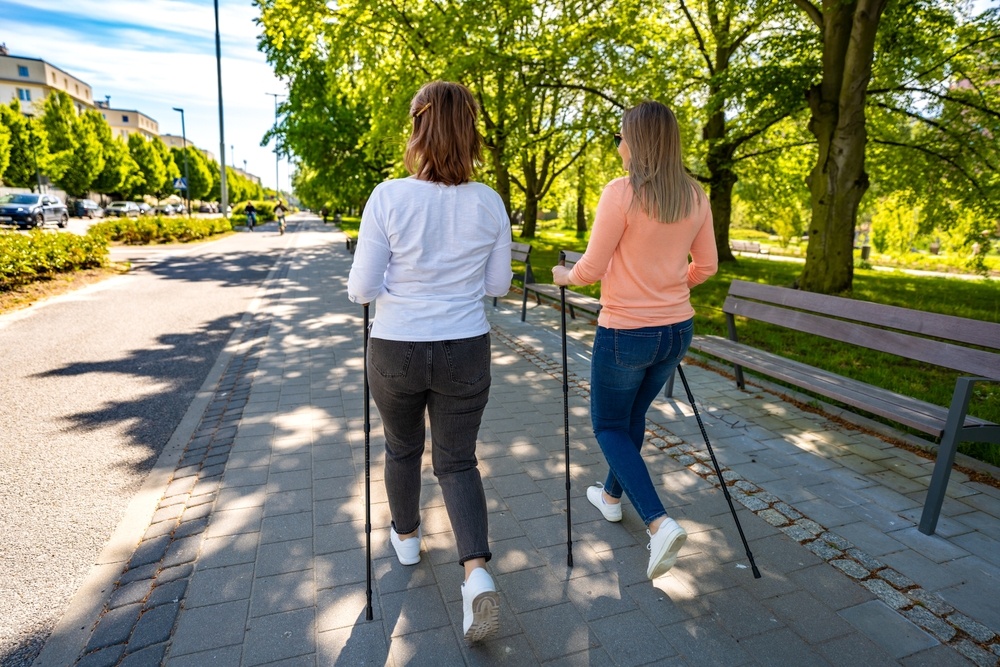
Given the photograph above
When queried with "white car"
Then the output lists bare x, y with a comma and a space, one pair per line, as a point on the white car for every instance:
122, 209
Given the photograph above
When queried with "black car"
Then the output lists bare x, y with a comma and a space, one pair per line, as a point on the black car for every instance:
32, 210
85, 208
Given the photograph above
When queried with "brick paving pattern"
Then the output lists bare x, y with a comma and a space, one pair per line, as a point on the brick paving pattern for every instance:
256, 553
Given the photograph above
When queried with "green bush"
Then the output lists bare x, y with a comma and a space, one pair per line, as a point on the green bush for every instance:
265, 210
159, 229
38, 255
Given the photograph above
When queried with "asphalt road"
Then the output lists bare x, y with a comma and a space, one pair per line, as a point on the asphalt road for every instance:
92, 385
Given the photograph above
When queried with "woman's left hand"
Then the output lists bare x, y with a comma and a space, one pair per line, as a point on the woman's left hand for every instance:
560, 275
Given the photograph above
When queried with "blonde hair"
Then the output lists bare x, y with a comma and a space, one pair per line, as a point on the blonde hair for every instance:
660, 185
444, 146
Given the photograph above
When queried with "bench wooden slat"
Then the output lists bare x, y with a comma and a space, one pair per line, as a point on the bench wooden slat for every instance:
923, 416
519, 251
947, 327
574, 300
967, 360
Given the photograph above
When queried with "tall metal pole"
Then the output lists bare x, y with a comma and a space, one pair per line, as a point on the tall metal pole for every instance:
187, 179
223, 190
277, 184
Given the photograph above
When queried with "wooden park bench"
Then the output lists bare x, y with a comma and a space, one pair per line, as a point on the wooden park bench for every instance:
748, 247
969, 346
574, 300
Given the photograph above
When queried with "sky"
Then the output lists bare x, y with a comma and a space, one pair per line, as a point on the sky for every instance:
153, 55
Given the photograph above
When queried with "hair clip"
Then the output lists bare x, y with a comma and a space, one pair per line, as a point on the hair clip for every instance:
422, 109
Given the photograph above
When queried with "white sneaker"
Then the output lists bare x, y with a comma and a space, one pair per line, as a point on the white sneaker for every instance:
481, 606
611, 512
407, 551
663, 548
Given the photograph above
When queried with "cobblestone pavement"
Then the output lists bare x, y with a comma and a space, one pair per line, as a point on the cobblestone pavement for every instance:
255, 550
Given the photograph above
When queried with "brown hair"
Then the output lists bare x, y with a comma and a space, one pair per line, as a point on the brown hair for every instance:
444, 146
660, 185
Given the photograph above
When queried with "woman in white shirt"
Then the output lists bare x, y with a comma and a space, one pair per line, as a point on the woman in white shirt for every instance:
430, 248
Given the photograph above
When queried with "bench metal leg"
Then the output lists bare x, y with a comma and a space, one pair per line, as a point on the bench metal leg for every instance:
572, 313
946, 454
524, 303
668, 390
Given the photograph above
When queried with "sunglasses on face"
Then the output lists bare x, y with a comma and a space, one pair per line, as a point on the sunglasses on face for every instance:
618, 139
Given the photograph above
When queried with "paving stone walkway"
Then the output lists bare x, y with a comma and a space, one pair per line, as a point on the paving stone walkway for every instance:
255, 552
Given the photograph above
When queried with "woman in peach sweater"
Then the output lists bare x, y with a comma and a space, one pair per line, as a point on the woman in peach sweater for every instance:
647, 226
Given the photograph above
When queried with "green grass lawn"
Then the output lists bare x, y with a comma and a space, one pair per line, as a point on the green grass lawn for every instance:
976, 299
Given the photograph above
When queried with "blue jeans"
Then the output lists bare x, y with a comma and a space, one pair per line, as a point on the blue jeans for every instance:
628, 369
450, 382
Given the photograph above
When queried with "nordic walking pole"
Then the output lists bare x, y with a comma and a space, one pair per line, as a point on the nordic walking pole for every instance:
718, 471
368, 488
565, 389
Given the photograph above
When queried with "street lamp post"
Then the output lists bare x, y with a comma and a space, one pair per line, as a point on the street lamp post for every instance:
34, 153
277, 157
187, 181
223, 190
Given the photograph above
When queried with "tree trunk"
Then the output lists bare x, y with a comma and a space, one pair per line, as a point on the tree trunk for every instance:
530, 223
581, 196
838, 181
722, 179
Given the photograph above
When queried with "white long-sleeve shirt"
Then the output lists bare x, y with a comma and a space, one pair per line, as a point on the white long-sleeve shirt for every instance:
427, 254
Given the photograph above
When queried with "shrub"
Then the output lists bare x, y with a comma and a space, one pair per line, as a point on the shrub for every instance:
38, 255
265, 210
158, 229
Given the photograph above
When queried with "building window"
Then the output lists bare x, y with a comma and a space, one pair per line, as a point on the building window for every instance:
22, 70
124, 118
24, 94
77, 87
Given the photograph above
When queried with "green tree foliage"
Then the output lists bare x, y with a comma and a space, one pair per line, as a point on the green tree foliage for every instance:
753, 62
27, 146
171, 172
199, 172
75, 153
4, 149
121, 174
151, 167
895, 224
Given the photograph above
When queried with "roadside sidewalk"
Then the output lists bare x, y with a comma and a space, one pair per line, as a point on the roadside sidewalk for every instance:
256, 551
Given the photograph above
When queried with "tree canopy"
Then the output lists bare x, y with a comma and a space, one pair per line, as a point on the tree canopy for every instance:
808, 113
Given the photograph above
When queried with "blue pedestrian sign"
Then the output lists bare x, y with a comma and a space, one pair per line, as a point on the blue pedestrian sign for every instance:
180, 184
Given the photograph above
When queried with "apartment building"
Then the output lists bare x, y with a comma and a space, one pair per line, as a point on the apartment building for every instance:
31, 80
124, 122
173, 141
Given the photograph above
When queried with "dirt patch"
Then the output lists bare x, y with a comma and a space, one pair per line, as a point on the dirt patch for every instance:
27, 295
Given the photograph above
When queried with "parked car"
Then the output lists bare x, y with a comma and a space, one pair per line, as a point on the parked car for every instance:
85, 208
32, 210
144, 208
166, 209
180, 208
123, 209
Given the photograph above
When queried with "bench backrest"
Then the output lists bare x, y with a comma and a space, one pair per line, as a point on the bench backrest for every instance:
521, 252
746, 246
793, 308
572, 257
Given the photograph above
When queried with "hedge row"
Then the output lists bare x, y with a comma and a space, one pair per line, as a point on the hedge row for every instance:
142, 231
39, 255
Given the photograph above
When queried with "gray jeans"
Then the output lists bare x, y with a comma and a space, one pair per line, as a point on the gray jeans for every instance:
450, 382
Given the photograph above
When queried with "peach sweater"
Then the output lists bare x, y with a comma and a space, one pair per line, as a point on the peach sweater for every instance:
646, 277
